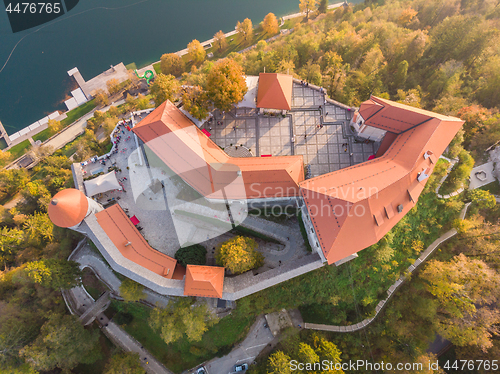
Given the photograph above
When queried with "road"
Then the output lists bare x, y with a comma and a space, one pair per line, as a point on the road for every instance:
256, 340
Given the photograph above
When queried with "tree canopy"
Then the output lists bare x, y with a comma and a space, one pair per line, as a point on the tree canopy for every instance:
181, 317
192, 255
226, 84
239, 255
172, 64
196, 52
165, 87
270, 24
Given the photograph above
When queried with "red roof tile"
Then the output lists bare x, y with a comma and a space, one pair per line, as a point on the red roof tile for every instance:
376, 188
275, 91
207, 168
204, 281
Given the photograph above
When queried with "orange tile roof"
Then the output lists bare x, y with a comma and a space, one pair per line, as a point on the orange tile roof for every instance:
204, 281
275, 91
353, 208
131, 244
207, 168
68, 207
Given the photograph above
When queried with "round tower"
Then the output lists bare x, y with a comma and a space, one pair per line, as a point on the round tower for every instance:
69, 207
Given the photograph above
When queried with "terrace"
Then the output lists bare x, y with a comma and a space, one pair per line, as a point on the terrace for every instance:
314, 128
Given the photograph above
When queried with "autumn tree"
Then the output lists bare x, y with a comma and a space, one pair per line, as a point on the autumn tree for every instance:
279, 363
245, 29
226, 84
172, 63
270, 24
113, 86
181, 317
131, 291
195, 101
196, 52
63, 343
54, 125
12, 180
307, 6
101, 98
239, 255
124, 363
54, 273
165, 87
220, 41
465, 289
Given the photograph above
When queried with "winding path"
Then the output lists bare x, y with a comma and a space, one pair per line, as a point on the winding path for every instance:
394, 287
455, 193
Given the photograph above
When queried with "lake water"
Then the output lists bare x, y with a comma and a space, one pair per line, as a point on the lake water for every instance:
98, 33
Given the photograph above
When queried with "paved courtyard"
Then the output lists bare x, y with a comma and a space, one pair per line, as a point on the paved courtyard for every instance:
314, 128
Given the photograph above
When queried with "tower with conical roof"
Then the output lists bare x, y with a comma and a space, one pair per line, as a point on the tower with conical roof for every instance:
69, 207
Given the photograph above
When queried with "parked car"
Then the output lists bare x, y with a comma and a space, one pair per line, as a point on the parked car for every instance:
201, 370
241, 367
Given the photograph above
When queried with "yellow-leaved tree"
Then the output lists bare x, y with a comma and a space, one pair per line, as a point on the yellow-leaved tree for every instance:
239, 255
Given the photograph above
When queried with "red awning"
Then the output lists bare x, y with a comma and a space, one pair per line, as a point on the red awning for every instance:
134, 220
206, 132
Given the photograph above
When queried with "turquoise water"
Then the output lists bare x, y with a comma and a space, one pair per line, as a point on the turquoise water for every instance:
34, 82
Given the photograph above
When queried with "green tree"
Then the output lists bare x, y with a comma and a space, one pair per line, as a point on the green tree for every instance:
131, 291
226, 84
12, 180
165, 87
195, 101
172, 63
124, 363
182, 317
36, 197
482, 199
220, 41
55, 274
39, 228
323, 6
192, 255
307, 6
401, 74
245, 29
10, 243
62, 343
196, 52
239, 255
270, 24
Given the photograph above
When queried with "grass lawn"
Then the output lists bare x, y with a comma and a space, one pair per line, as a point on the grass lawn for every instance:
19, 149
72, 116
131, 66
349, 293
493, 187
183, 355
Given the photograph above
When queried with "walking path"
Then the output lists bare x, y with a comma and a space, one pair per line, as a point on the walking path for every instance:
393, 288
87, 258
459, 191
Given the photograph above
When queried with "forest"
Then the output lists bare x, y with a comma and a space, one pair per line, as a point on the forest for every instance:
442, 56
